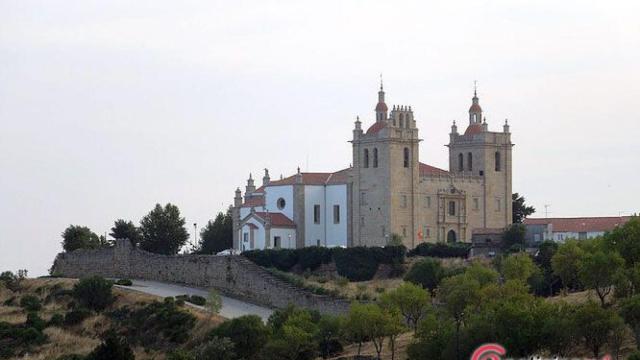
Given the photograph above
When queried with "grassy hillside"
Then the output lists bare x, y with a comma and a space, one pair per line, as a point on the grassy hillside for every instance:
82, 338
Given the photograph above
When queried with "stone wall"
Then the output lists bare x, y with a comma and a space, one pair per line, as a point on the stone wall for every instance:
234, 276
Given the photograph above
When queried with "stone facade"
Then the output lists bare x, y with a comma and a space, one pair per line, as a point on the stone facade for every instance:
234, 276
389, 191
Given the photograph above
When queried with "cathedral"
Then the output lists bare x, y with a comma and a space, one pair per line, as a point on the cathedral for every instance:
386, 191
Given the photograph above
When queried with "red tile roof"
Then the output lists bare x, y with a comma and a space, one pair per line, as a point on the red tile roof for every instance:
254, 201
475, 108
431, 170
316, 178
581, 224
277, 219
473, 129
376, 127
381, 106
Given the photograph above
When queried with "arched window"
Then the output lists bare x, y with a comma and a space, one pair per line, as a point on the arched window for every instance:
469, 162
401, 121
406, 157
451, 236
452, 208
366, 158
498, 165
375, 157
460, 162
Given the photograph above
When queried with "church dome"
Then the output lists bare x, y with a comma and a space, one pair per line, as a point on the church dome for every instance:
473, 129
376, 127
475, 108
381, 107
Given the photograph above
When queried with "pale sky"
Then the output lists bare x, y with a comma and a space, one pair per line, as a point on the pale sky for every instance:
108, 107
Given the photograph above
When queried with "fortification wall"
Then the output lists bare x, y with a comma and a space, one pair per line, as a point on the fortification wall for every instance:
234, 276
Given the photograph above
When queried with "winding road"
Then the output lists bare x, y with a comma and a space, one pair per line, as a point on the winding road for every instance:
231, 308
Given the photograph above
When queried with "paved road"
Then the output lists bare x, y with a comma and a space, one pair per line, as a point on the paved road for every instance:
231, 308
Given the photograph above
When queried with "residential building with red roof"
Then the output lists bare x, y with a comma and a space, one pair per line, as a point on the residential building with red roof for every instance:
561, 229
385, 191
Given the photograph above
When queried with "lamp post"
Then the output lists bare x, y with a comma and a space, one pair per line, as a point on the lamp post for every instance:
195, 234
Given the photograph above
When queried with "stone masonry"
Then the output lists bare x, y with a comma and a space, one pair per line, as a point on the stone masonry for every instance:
234, 276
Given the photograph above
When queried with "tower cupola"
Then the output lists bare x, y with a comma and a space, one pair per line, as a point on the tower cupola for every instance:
381, 107
475, 111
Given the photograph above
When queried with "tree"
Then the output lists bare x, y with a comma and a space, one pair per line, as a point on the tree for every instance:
558, 329
519, 266
395, 327
217, 235
356, 326
550, 281
565, 263
626, 240
216, 349
214, 302
123, 229
594, 325
79, 237
113, 348
163, 230
427, 273
248, 333
457, 293
597, 271
410, 300
484, 275
330, 330
630, 312
94, 292
513, 237
375, 323
520, 210
433, 339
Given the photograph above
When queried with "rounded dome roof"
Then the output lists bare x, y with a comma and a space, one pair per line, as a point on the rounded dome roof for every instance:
381, 107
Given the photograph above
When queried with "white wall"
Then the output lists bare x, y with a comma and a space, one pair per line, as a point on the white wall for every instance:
336, 233
284, 233
326, 231
247, 210
273, 193
257, 233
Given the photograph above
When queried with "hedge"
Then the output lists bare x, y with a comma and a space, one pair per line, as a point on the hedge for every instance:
356, 264
441, 250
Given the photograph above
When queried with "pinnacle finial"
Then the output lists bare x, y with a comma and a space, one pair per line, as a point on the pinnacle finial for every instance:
381, 85
475, 88
250, 178
506, 121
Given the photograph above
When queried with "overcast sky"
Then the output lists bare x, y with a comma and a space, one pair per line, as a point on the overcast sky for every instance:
108, 107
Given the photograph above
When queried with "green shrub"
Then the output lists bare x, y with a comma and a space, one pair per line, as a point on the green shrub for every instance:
356, 264
248, 333
310, 258
17, 338
94, 293
56, 320
441, 250
10, 280
30, 303
427, 273
197, 300
112, 348
155, 323
184, 297
35, 321
180, 302
76, 316
216, 349
10, 301
124, 282
180, 355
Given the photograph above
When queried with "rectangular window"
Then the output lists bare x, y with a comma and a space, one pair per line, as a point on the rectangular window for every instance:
316, 214
336, 214
498, 205
245, 237
404, 231
363, 198
426, 232
404, 201
318, 242
277, 242
362, 221
582, 236
476, 204
383, 231
452, 208
428, 201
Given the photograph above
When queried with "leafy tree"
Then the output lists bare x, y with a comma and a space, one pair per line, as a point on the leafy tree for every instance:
216, 349
123, 229
594, 325
94, 293
597, 271
217, 235
558, 329
519, 266
457, 293
427, 273
513, 237
356, 325
214, 302
566, 261
248, 333
433, 339
375, 322
630, 312
550, 281
626, 240
79, 237
163, 230
395, 327
330, 330
484, 275
627, 282
520, 210
410, 300
112, 348
30, 303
